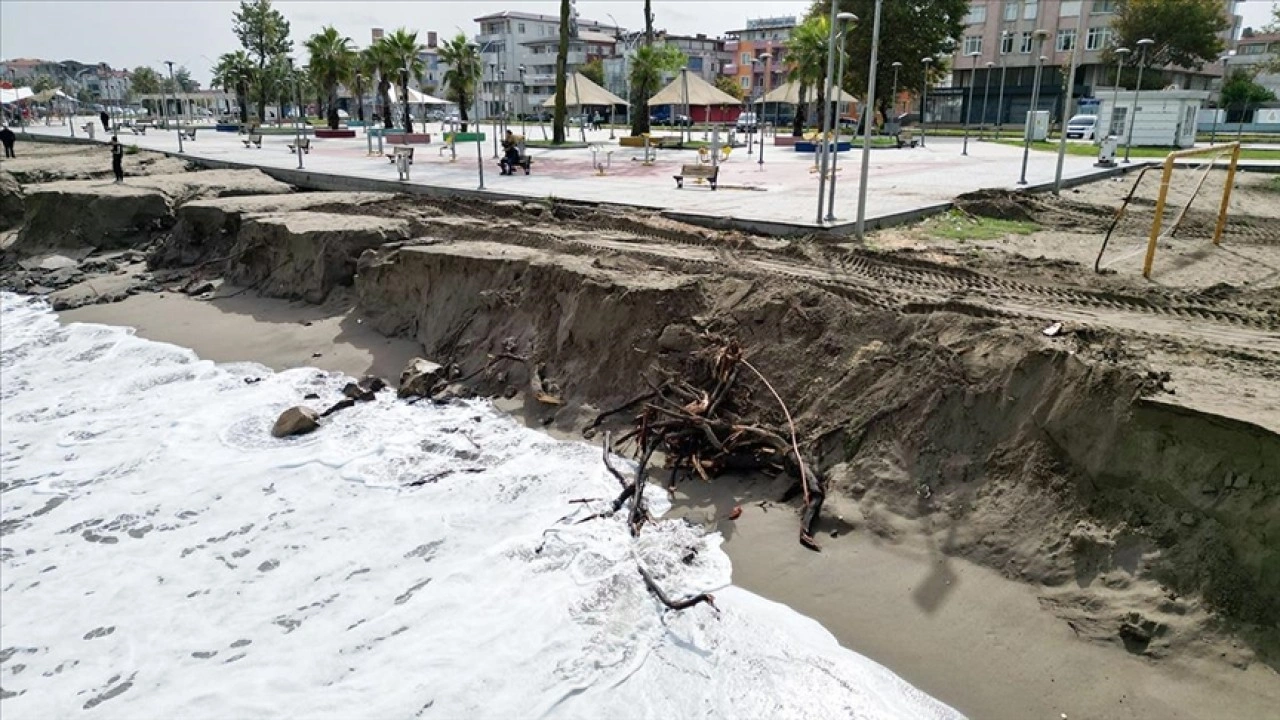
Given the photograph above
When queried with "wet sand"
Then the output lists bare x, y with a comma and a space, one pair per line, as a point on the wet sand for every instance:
961, 632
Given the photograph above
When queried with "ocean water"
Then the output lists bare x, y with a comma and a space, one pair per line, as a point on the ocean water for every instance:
163, 556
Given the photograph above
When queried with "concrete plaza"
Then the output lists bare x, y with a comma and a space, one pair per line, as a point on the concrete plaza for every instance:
778, 195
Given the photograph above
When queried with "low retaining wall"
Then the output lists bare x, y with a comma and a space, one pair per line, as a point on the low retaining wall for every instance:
406, 138
322, 133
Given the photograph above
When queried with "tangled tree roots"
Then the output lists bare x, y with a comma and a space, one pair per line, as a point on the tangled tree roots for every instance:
701, 421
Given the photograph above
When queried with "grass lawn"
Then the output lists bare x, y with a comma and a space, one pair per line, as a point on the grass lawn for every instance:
961, 227
1088, 150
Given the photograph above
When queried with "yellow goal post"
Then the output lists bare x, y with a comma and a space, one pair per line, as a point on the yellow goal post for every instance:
1169, 161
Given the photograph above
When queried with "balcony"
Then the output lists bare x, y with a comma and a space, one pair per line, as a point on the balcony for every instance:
729, 69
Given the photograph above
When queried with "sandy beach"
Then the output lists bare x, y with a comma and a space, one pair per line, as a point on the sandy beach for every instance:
978, 641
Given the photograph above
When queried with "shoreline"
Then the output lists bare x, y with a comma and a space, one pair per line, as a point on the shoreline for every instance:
960, 632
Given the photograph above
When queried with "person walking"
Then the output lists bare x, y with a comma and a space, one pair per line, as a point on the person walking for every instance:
117, 159
106, 121
7, 138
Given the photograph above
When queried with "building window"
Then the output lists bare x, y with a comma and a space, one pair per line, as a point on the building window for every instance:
1069, 8
1066, 40
744, 81
1010, 10
972, 44
746, 59
977, 15
1257, 49
520, 29
1029, 9
1025, 46
1006, 43
1101, 7
1098, 38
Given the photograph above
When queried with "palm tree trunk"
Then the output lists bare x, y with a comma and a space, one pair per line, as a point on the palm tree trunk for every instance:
360, 102
333, 107
640, 93
384, 89
797, 123
562, 60
404, 98
462, 110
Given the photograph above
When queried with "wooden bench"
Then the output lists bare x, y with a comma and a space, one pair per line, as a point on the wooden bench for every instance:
698, 172
190, 132
399, 150
304, 144
254, 139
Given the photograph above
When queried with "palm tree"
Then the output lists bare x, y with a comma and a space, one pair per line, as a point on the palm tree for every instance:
232, 74
382, 66
331, 64
404, 57
640, 93
648, 66
363, 70
562, 58
463, 60
807, 50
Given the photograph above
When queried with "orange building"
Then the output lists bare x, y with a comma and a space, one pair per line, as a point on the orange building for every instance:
760, 37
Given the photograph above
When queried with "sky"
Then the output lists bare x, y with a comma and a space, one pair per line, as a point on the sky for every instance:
129, 33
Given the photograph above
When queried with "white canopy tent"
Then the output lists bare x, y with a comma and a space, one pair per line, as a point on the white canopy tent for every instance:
581, 90
789, 93
416, 97
13, 95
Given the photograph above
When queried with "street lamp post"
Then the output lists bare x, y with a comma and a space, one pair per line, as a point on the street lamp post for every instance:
767, 58
1133, 117
823, 131
1040, 35
924, 96
1004, 71
175, 90
843, 18
368, 139
866, 126
896, 66
968, 110
1115, 91
493, 120
523, 113
1066, 105
986, 95
1222, 94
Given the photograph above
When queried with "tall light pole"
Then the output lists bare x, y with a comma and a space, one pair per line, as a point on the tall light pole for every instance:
1115, 91
767, 59
1066, 104
924, 96
1133, 117
1040, 35
688, 113
175, 90
968, 110
866, 126
523, 113
1004, 71
986, 95
1222, 94
825, 130
896, 66
843, 18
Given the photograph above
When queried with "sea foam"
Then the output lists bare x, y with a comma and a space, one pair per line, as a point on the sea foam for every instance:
164, 556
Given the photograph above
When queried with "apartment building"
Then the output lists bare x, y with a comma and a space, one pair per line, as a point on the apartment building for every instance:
510, 41
1001, 33
1255, 52
761, 36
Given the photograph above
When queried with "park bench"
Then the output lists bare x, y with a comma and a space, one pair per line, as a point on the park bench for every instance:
190, 132
255, 139
399, 150
710, 173
304, 144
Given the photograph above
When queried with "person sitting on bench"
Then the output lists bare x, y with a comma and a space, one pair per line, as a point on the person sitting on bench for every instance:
510, 155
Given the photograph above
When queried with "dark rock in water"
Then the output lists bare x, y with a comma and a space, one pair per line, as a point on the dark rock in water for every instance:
297, 420
355, 392
373, 383
419, 377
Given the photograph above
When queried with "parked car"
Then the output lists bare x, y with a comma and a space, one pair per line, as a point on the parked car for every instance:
747, 122
435, 116
662, 118
1083, 127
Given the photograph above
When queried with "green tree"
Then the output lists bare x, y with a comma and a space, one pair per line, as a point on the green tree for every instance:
593, 70
807, 52
1241, 91
403, 55
463, 61
42, 83
1186, 32
233, 74
332, 62
729, 85
363, 68
182, 78
562, 60
264, 34
640, 93
648, 67
935, 25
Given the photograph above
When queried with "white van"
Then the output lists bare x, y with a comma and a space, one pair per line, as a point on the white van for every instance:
1083, 127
